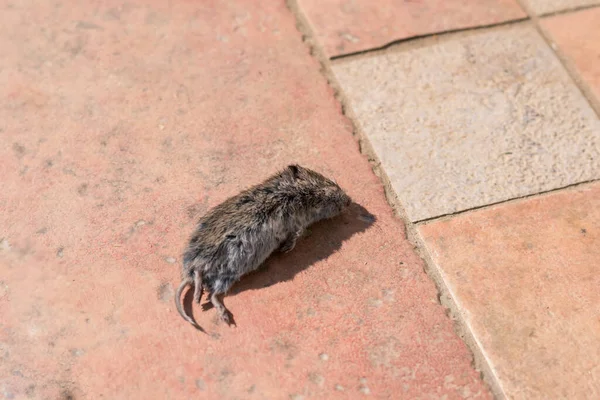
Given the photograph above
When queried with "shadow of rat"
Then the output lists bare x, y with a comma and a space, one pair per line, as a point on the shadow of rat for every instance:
323, 239
235, 238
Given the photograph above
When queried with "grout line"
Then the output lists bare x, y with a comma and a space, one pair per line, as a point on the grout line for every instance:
430, 40
565, 11
453, 299
502, 202
565, 61
423, 36
446, 298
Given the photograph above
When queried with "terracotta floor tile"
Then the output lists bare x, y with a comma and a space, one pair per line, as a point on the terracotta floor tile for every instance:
347, 26
120, 123
578, 37
549, 6
502, 119
526, 277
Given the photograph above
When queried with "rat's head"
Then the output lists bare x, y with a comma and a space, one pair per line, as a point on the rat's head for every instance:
326, 198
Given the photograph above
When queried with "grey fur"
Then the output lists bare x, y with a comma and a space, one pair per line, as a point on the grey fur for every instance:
237, 236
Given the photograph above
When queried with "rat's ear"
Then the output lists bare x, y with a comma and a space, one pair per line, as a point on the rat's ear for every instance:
295, 170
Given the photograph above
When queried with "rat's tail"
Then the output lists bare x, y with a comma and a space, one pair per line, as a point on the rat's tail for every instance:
179, 304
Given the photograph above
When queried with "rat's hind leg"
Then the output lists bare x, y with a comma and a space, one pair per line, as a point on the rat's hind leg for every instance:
216, 297
220, 307
290, 242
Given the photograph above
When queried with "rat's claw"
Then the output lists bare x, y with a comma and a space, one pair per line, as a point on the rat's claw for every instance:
226, 318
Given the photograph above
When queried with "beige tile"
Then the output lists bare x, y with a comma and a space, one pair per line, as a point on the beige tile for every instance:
548, 6
472, 119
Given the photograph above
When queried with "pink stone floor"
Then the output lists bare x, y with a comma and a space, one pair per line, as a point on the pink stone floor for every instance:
122, 122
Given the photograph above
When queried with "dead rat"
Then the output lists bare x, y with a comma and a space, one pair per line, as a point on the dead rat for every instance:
237, 236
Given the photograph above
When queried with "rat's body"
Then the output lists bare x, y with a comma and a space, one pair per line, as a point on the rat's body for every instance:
237, 236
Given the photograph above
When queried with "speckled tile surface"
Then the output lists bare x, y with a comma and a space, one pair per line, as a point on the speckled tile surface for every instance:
121, 122
472, 119
576, 36
551, 6
525, 275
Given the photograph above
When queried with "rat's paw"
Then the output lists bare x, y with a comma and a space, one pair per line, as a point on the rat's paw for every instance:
227, 317
287, 246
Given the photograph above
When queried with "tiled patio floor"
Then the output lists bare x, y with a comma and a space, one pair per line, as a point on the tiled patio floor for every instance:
122, 122
464, 122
